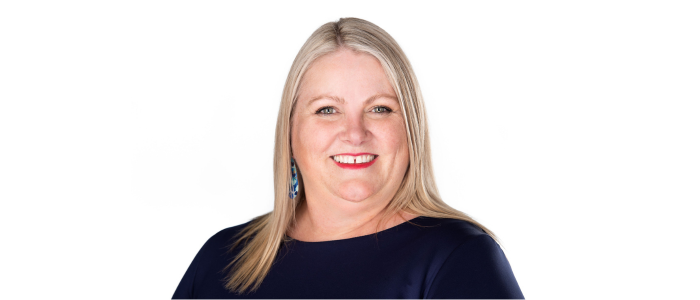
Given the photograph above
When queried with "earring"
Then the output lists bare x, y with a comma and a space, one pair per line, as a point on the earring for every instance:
294, 186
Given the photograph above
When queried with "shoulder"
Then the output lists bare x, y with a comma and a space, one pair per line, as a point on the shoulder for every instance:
208, 263
448, 232
470, 263
223, 239
217, 249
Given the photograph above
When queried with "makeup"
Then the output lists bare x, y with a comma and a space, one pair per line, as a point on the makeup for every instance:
354, 161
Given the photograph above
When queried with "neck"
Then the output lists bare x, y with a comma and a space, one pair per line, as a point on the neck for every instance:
322, 221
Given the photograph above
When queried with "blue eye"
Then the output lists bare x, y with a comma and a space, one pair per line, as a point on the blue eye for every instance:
381, 109
326, 110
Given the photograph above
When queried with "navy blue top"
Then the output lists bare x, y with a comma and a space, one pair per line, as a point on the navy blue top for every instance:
431, 258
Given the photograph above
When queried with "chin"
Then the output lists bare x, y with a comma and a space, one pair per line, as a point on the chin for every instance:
356, 192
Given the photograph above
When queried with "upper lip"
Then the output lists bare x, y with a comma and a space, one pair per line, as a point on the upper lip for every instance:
355, 154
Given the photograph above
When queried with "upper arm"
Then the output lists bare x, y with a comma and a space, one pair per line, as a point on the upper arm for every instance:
477, 268
185, 290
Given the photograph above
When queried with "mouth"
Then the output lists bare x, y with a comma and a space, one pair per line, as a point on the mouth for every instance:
354, 160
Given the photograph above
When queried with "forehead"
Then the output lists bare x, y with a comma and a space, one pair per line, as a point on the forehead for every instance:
347, 74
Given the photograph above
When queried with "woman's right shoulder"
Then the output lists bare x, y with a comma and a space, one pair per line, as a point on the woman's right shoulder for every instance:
223, 239
212, 257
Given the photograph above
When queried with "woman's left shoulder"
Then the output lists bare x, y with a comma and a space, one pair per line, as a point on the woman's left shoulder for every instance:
451, 231
471, 263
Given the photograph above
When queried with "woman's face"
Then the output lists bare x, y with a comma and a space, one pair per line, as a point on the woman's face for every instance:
348, 134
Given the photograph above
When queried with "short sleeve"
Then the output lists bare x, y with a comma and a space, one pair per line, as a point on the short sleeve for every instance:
477, 268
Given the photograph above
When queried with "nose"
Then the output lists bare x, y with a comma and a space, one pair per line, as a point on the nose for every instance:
355, 130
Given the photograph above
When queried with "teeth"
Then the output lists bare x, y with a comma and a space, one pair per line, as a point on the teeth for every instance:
347, 159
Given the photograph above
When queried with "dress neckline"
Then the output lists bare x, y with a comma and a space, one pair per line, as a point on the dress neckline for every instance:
382, 232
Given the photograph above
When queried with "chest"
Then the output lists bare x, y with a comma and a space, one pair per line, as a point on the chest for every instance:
353, 272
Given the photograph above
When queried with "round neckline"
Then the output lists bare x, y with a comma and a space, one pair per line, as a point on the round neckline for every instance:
413, 220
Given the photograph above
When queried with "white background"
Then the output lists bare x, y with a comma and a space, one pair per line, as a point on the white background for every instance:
130, 132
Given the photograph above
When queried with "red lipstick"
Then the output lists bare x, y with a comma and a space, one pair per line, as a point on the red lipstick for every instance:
355, 166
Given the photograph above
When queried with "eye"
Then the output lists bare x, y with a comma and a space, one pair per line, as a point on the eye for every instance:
381, 109
326, 110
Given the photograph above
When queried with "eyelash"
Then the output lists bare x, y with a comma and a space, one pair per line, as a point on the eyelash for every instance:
318, 112
386, 110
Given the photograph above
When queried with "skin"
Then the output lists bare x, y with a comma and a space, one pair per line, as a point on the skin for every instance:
333, 116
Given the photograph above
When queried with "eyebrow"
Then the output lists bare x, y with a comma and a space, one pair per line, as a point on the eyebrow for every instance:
342, 101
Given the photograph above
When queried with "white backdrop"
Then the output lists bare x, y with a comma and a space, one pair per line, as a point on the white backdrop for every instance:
130, 132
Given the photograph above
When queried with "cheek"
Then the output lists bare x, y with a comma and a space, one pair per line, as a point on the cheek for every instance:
393, 136
311, 138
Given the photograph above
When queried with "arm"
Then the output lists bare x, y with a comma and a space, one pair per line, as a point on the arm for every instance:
185, 290
475, 269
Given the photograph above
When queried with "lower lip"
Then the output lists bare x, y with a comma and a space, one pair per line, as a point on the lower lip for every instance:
355, 166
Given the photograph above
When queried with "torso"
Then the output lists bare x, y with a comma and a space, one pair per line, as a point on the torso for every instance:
404, 261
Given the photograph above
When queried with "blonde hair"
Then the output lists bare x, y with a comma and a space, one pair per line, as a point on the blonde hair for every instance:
417, 194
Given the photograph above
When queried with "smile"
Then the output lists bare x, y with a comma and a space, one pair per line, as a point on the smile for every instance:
354, 160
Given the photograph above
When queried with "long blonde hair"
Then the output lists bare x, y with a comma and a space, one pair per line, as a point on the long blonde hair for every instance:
417, 194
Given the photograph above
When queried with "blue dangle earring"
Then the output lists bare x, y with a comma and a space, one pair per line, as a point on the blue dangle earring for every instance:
294, 187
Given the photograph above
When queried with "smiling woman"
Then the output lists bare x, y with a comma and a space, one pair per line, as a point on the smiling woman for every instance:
346, 111
363, 218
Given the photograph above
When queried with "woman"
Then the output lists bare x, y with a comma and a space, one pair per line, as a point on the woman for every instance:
359, 215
